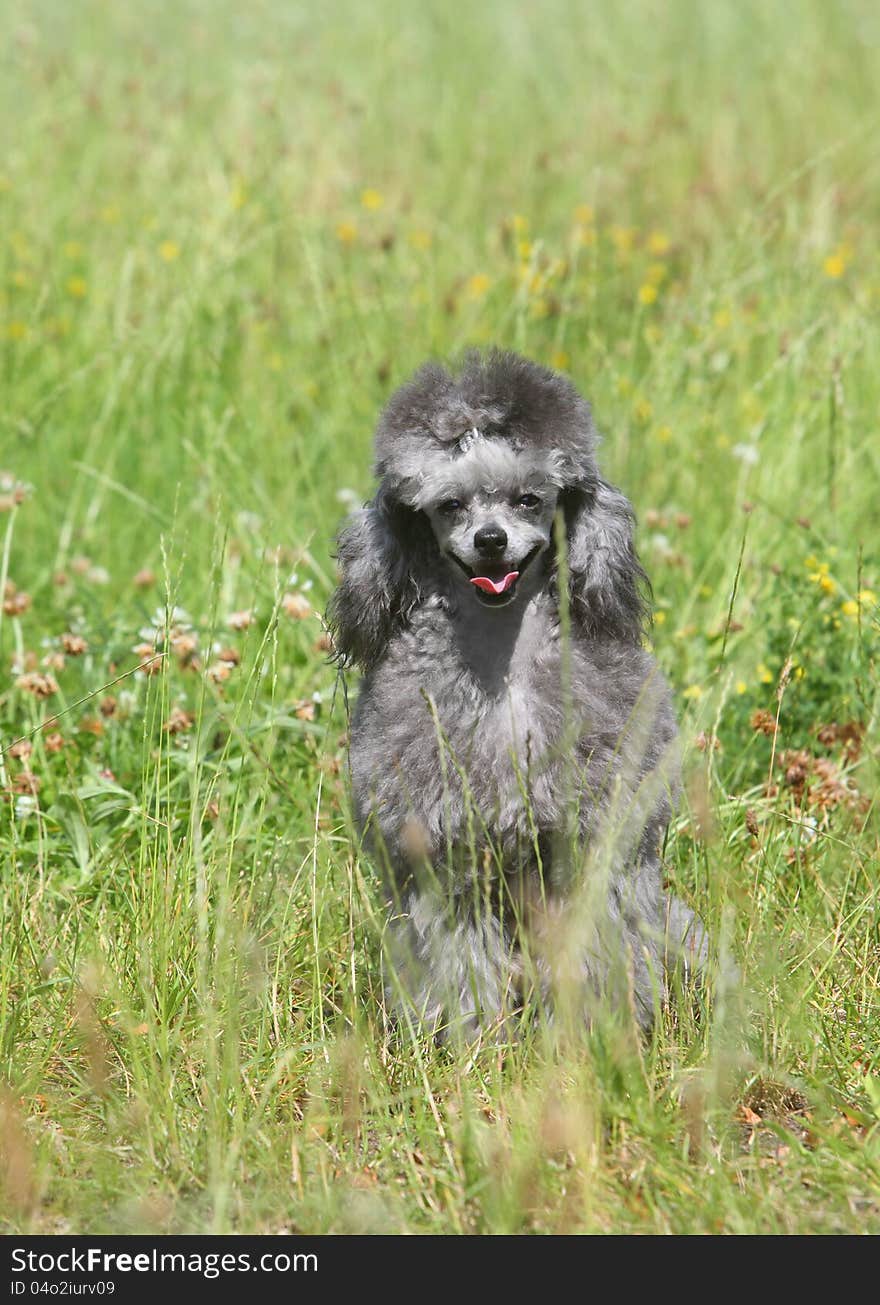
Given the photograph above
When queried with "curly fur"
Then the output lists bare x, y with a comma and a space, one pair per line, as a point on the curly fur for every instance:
513, 769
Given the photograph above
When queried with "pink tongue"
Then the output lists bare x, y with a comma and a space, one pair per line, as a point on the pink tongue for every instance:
490, 587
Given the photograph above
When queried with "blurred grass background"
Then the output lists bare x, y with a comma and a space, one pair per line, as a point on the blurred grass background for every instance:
225, 235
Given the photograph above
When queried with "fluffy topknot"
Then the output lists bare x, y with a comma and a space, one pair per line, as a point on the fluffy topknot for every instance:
499, 394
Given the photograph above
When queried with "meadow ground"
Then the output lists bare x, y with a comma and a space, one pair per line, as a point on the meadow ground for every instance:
227, 232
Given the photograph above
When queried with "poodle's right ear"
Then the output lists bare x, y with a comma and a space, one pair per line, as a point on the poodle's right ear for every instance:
384, 550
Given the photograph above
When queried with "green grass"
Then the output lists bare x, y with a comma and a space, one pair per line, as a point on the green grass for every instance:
226, 232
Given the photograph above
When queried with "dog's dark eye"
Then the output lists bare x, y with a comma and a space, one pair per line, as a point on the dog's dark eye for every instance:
450, 506
528, 501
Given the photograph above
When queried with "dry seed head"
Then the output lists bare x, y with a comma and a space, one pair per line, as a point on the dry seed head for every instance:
150, 660
16, 603
41, 686
17, 1179
185, 645
179, 721
763, 722
296, 607
25, 782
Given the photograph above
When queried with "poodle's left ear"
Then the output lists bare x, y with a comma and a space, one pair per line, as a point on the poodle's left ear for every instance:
606, 582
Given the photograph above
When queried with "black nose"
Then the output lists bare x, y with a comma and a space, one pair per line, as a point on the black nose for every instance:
490, 539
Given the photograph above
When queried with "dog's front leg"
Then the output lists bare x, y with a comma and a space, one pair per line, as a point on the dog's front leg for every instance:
449, 967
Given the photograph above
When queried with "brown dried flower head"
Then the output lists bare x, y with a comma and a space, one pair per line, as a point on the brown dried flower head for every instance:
296, 606
179, 721
17, 602
41, 686
763, 722
74, 644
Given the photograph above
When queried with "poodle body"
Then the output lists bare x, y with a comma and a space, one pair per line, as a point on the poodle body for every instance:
513, 757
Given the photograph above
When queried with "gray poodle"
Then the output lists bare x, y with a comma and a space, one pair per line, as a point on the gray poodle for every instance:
513, 755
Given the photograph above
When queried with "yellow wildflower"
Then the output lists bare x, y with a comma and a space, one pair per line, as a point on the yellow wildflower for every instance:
764, 674
169, 250
623, 238
663, 434
77, 286
371, 199
741, 687
346, 233
834, 266
477, 285
693, 691
560, 359
660, 617
647, 293
584, 213
420, 239
519, 223
17, 331
658, 244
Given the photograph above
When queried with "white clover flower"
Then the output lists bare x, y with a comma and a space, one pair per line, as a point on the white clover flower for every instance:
249, 521
747, 453
25, 806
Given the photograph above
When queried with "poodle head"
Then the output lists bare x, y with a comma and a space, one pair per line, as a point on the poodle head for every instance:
474, 465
